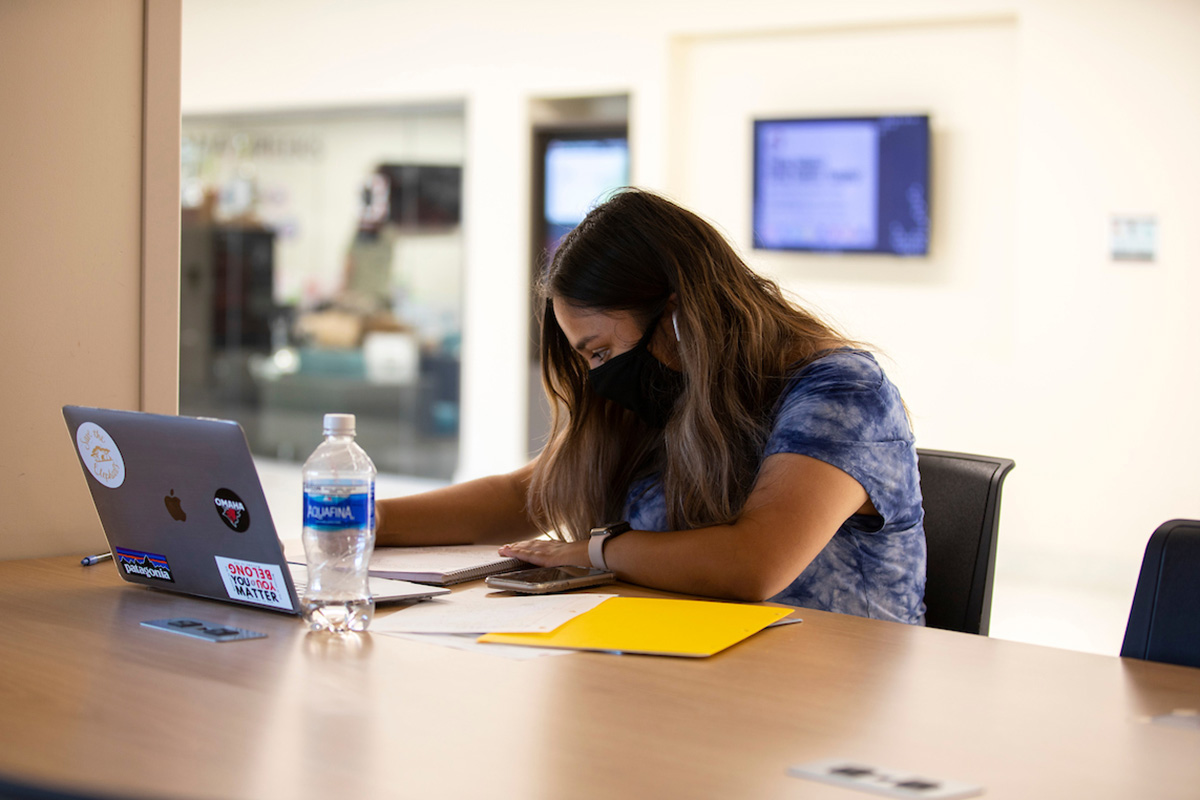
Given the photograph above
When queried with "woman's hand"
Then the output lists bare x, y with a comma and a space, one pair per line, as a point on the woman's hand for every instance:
546, 553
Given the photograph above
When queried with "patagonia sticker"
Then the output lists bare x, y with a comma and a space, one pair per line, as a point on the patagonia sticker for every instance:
145, 565
232, 510
100, 454
254, 582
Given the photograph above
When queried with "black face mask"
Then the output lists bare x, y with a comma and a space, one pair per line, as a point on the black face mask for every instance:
638, 381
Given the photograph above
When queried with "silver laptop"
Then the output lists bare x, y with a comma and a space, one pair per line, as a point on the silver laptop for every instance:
183, 509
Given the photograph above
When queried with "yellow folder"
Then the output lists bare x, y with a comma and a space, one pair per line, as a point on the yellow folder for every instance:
654, 626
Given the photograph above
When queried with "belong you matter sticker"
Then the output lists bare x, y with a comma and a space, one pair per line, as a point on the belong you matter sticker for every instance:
255, 582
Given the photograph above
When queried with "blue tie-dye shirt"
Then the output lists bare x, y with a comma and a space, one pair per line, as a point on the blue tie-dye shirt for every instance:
843, 410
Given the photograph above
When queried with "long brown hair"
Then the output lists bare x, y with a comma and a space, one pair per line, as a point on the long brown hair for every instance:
739, 339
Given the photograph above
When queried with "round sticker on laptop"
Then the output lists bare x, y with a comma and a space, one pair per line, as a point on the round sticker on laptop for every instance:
100, 454
232, 510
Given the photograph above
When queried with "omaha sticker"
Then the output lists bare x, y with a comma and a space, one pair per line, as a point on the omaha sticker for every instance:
100, 454
254, 582
146, 565
232, 510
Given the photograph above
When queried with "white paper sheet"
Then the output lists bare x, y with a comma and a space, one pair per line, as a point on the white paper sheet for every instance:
466, 641
483, 610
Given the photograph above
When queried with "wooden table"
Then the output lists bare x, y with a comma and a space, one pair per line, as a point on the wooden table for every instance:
93, 702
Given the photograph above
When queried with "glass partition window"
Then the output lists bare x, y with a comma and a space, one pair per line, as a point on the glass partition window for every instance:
321, 268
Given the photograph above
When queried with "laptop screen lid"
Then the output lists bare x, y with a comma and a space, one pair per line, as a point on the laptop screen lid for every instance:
183, 508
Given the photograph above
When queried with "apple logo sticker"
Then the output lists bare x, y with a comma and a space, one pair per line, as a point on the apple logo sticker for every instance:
232, 510
175, 507
100, 455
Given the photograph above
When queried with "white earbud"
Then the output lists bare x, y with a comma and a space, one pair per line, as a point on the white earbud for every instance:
675, 323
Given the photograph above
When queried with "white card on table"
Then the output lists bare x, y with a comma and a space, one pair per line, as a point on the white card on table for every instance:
882, 780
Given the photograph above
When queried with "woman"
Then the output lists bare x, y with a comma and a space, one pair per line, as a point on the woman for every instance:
754, 452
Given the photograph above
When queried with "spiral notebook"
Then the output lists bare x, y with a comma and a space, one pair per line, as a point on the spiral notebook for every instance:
441, 566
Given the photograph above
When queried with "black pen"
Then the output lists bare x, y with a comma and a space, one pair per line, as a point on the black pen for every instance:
87, 561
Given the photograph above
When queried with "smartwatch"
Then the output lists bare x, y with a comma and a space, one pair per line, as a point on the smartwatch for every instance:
596, 543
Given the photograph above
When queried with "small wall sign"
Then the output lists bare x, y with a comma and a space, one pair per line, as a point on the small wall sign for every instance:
1133, 238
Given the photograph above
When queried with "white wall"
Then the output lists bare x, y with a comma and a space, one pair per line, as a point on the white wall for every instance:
1017, 336
1104, 424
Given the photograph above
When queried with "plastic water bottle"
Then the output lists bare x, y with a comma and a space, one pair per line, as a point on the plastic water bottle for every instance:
339, 530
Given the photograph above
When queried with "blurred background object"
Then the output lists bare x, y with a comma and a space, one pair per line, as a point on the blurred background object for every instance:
321, 268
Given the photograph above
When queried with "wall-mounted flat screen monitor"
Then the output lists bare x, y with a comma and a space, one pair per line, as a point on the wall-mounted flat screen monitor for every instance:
579, 173
842, 184
421, 195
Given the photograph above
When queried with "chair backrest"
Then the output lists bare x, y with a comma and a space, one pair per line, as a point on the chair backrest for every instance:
1164, 620
961, 495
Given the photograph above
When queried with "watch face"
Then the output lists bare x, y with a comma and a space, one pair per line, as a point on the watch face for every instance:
610, 530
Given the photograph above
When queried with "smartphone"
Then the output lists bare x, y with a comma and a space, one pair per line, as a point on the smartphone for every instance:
544, 580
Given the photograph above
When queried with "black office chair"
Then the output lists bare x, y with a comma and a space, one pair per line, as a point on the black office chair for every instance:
1164, 620
961, 494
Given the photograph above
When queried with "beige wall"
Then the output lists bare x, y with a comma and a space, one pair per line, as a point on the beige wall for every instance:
88, 244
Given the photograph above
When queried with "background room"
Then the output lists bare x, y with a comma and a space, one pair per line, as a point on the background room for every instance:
1021, 333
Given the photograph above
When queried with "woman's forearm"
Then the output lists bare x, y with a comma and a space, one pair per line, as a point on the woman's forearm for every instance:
485, 510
